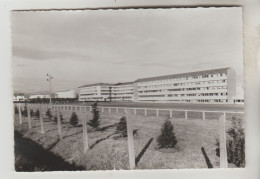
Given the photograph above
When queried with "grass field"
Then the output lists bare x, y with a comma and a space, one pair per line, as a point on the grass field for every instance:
108, 152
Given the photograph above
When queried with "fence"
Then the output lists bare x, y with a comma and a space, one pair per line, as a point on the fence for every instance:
172, 113
84, 109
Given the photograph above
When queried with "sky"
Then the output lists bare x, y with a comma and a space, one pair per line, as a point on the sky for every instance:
89, 46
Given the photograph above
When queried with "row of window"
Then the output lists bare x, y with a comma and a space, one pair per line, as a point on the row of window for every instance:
186, 78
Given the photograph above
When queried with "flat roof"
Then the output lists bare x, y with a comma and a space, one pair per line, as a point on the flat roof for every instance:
106, 84
179, 75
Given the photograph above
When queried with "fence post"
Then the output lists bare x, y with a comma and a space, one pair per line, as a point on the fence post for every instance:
109, 110
203, 115
222, 142
186, 114
157, 113
170, 112
130, 141
85, 133
59, 123
41, 121
145, 112
29, 117
134, 111
20, 113
102, 109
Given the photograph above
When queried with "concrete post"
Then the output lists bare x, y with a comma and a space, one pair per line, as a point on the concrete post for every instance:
186, 114
85, 133
125, 110
116, 110
41, 121
222, 142
29, 117
130, 141
134, 111
20, 113
203, 115
59, 124
171, 113
145, 112
157, 113
109, 110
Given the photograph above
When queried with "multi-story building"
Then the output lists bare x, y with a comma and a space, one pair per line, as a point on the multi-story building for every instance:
19, 97
106, 92
122, 91
40, 96
95, 92
66, 94
210, 86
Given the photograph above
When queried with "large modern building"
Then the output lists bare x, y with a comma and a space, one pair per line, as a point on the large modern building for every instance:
19, 97
66, 94
106, 92
39, 96
210, 86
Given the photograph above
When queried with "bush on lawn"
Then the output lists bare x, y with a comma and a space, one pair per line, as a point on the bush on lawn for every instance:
31, 113
235, 144
95, 121
121, 127
55, 118
74, 119
167, 138
49, 114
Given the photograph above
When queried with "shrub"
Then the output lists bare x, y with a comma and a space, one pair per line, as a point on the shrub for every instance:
167, 137
235, 144
121, 127
55, 118
74, 119
31, 113
48, 114
95, 121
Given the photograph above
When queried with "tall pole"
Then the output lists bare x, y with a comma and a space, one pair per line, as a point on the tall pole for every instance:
49, 79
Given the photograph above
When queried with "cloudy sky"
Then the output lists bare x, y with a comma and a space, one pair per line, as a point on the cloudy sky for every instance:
81, 47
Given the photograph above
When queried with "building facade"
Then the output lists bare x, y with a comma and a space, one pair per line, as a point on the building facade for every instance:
66, 94
95, 92
209, 86
40, 96
19, 97
122, 91
106, 92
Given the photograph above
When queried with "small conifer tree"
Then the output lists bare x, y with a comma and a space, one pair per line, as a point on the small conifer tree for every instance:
235, 143
121, 127
167, 137
95, 121
74, 119
48, 114
31, 113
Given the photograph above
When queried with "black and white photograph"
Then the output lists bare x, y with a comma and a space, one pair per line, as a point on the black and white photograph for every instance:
128, 89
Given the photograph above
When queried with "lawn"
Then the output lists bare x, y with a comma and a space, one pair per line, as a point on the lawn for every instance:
109, 152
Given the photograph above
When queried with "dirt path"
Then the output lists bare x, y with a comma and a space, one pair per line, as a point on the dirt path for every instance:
30, 156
